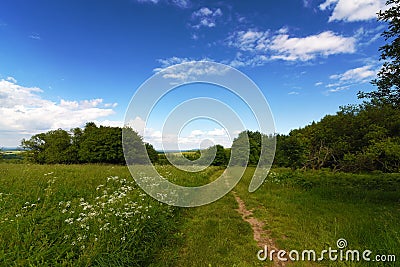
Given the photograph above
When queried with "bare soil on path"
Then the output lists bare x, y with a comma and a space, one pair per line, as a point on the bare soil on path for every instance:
260, 235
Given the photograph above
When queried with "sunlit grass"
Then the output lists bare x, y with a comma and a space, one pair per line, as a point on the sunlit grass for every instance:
312, 210
78, 215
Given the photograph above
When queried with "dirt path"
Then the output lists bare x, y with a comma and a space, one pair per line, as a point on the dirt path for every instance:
259, 234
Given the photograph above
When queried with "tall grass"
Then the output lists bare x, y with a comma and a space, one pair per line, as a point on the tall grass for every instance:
312, 210
79, 215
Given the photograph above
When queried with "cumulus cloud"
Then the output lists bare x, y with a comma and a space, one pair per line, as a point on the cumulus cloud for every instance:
206, 17
25, 112
263, 46
325, 44
353, 10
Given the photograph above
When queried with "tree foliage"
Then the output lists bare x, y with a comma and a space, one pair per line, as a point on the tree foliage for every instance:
362, 137
247, 149
388, 81
89, 145
221, 158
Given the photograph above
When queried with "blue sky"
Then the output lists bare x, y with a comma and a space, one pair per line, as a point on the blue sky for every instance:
63, 63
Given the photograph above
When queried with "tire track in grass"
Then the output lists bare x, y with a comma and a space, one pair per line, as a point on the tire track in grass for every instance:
260, 235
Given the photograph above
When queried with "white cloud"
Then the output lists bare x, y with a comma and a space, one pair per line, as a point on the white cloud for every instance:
206, 17
165, 63
367, 36
293, 93
108, 105
25, 112
250, 40
181, 3
345, 80
192, 70
194, 36
338, 89
11, 79
327, 4
359, 75
318, 83
109, 123
217, 132
262, 46
353, 10
197, 133
137, 124
323, 44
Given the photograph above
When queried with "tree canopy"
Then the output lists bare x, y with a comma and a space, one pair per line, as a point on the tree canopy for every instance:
388, 81
92, 144
363, 137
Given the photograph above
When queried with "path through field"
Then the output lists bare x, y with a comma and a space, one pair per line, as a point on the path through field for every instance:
223, 233
260, 235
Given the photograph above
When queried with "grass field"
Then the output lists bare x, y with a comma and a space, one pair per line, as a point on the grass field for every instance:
82, 215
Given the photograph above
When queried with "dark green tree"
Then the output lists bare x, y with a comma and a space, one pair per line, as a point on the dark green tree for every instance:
152, 153
290, 151
101, 145
35, 147
134, 147
240, 149
388, 81
221, 158
91, 145
51, 147
246, 148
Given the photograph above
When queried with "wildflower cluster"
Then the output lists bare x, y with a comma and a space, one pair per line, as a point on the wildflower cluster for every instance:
284, 178
118, 211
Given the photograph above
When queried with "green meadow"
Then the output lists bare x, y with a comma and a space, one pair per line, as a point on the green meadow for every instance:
96, 215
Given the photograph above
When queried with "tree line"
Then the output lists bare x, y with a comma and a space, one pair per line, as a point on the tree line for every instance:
357, 138
92, 144
363, 137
